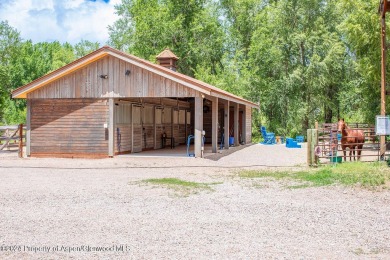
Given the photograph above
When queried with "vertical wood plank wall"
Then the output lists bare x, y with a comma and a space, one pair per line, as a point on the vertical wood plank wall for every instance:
88, 83
69, 126
248, 121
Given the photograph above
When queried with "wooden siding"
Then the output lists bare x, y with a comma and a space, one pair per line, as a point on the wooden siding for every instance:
248, 121
87, 83
69, 126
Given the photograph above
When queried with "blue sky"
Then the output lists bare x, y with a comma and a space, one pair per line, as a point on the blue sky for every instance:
61, 20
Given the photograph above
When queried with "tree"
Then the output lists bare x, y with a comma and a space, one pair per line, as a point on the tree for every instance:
9, 49
191, 29
85, 47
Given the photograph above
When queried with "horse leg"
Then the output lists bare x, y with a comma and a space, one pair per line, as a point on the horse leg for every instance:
350, 154
345, 153
359, 152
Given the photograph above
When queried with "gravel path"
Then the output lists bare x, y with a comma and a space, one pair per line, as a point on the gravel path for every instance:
80, 205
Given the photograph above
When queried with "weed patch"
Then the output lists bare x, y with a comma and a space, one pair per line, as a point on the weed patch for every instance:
180, 186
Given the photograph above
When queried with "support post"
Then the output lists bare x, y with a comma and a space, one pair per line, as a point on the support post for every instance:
226, 124
244, 120
214, 127
198, 126
312, 143
111, 129
236, 118
28, 128
21, 141
383, 81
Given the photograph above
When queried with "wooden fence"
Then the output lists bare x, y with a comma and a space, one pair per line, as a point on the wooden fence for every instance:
13, 137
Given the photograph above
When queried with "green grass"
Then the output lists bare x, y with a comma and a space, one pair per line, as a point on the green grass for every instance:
181, 186
349, 174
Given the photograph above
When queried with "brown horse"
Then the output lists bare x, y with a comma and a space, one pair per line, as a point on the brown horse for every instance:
350, 139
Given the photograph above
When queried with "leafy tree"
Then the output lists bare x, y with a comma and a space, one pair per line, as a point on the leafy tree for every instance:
191, 29
9, 49
85, 47
360, 28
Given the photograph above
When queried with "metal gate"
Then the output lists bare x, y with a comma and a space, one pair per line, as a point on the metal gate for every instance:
329, 148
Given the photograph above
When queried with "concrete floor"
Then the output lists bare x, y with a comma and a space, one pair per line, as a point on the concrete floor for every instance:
179, 151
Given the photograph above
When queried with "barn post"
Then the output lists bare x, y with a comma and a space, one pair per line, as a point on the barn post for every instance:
226, 124
214, 127
21, 141
312, 143
244, 120
111, 127
28, 128
236, 124
198, 126
383, 73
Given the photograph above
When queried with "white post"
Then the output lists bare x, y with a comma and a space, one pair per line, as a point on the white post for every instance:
214, 122
198, 126
111, 127
28, 128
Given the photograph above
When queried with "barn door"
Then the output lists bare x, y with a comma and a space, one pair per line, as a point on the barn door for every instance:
158, 127
175, 125
148, 127
181, 138
137, 129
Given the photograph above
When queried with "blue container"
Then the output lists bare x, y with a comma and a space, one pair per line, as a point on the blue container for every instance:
231, 141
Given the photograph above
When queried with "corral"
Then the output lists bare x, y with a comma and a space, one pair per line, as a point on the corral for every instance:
329, 143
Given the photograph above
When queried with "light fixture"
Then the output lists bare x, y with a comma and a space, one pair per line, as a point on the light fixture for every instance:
127, 73
104, 76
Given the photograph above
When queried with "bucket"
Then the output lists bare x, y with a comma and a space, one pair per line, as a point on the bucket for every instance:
231, 141
336, 159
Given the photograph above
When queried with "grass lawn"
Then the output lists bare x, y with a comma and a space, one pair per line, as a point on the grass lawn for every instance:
355, 173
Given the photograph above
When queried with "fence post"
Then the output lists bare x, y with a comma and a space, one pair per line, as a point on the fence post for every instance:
312, 142
21, 141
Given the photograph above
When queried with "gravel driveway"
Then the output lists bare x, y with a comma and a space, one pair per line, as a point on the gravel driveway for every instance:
101, 209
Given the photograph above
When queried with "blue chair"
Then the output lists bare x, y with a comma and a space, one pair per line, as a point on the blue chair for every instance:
300, 139
290, 143
269, 138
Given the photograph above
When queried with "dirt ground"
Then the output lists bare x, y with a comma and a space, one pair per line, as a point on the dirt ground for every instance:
102, 209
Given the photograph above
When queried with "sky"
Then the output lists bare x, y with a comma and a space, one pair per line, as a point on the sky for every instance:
60, 20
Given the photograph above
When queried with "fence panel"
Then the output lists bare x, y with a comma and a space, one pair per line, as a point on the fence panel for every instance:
329, 148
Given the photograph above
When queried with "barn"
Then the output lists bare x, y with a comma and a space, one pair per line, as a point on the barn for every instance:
109, 102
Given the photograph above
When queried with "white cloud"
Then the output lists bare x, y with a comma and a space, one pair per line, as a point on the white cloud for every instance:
61, 20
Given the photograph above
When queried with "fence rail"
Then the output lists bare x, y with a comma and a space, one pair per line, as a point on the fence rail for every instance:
13, 136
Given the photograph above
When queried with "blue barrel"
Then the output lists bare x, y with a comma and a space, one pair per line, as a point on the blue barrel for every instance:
231, 141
